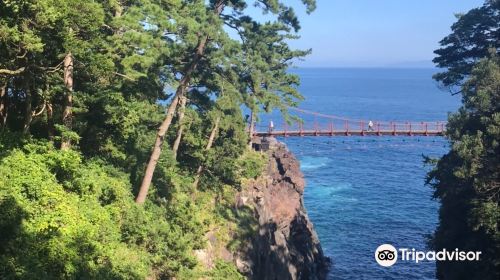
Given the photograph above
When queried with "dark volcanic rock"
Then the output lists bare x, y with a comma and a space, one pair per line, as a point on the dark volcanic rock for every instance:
286, 246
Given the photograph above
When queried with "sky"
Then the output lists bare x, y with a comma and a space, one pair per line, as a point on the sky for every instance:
376, 33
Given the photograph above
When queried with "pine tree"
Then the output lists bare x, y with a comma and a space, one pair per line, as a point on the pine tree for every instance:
473, 34
466, 180
286, 21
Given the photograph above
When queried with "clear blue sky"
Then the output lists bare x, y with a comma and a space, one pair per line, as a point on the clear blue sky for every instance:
376, 33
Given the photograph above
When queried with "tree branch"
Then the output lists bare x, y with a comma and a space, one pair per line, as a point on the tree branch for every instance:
35, 114
124, 76
12, 72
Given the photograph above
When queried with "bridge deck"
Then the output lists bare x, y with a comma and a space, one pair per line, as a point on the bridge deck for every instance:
300, 133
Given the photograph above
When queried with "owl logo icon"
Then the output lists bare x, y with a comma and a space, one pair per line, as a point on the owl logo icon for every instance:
386, 255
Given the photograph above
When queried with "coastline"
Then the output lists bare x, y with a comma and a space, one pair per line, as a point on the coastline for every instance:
286, 246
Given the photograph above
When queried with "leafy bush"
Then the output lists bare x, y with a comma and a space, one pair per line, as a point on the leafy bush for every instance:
61, 217
251, 164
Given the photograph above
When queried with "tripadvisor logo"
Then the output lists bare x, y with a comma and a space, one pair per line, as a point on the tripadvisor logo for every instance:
387, 255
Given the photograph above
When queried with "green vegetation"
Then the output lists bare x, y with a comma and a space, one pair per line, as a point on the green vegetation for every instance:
65, 218
472, 36
110, 101
466, 180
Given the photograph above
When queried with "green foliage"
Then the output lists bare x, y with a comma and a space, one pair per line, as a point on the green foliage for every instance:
466, 180
251, 164
224, 270
473, 36
66, 134
221, 271
10, 140
63, 218
71, 214
245, 228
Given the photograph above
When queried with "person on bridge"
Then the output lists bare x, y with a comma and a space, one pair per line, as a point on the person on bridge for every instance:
271, 126
370, 126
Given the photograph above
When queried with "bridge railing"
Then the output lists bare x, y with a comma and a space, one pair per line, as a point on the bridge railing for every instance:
348, 126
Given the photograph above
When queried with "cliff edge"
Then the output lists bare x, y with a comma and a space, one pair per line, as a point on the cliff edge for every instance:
285, 244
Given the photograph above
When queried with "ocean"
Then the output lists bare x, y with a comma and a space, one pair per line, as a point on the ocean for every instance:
362, 192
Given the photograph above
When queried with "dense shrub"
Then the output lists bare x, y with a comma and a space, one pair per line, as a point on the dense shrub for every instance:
62, 217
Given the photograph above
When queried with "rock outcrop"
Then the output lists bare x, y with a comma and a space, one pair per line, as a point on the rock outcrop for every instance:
285, 245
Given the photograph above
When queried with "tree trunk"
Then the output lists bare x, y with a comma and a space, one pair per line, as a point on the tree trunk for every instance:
183, 84
50, 121
251, 129
155, 154
182, 109
28, 113
3, 103
67, 117
209, 145
118, 10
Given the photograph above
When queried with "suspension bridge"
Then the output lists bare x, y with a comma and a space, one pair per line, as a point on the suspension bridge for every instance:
331, 125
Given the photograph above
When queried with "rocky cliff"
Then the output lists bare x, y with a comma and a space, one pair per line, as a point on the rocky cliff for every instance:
285, 245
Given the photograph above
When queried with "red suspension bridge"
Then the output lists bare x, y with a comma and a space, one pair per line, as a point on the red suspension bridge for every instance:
330, 125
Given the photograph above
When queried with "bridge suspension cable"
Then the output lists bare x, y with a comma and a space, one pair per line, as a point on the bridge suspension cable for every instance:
334, 117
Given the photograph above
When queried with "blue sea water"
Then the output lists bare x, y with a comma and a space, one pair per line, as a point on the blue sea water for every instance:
362, 192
